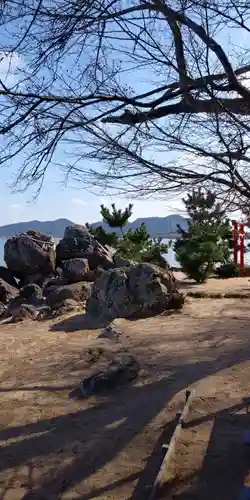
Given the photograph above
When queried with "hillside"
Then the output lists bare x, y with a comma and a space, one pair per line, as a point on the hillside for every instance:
54, 227
157, 226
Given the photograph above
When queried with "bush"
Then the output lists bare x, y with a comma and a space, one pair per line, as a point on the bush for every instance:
200, 249
228, 270
208, 239
135, 244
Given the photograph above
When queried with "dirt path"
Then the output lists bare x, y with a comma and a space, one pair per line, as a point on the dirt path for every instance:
57, 447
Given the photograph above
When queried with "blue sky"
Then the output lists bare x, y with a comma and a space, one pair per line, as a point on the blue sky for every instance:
54, 202
57, 201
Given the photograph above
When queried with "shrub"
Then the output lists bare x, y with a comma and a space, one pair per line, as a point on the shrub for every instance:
133, 244
208, 240
228, 270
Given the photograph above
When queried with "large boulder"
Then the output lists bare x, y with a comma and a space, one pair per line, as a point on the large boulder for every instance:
78, 243
30, 254
7, 292
79, 292
77, 270
134, 291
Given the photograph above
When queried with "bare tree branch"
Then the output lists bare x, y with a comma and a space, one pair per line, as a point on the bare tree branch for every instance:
140, 96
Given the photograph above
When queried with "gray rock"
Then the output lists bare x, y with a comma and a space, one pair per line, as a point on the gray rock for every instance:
32, 293
66, 306
22, 312
30, 253
79, 292
135, 291
110, 332
7, 292
59, 309
44, 313
122, 370
76, 270
78, 231
56, 282
78, 243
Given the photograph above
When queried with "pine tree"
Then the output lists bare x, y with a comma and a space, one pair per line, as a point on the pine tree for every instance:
137, 244
116, 217
104, 237
208, 240
203, 206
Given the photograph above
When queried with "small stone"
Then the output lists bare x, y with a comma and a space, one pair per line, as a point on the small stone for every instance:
110, 332
122, 370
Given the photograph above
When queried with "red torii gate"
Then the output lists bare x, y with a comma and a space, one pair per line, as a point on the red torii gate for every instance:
238, 237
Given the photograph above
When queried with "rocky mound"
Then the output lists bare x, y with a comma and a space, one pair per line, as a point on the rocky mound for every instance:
79, 273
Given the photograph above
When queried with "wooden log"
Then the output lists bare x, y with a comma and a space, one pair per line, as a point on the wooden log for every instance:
163, 475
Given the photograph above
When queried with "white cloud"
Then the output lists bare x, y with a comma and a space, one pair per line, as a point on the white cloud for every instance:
78, 201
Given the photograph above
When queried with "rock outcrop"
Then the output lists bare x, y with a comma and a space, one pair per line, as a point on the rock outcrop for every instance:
77, 270
78, 243
134, 291
30, 256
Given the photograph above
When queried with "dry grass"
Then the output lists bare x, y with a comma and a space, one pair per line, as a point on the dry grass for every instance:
58, 447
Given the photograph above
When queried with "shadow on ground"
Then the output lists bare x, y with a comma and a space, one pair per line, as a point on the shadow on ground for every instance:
79, 322
88, 436
226, 463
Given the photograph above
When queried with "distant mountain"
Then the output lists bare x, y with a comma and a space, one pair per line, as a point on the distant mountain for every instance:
157, 226
54, 227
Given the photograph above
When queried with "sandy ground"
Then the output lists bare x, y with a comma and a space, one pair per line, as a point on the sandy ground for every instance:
241, 285
57, 446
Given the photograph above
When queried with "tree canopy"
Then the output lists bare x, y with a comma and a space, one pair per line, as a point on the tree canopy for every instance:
155, 92
208, 240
